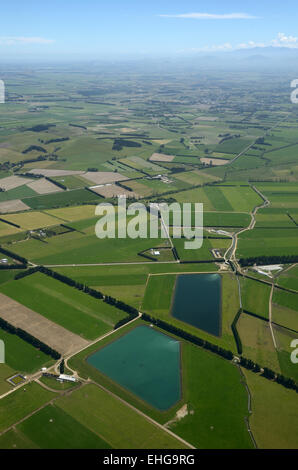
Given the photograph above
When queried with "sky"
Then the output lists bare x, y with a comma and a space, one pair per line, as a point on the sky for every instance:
108, 29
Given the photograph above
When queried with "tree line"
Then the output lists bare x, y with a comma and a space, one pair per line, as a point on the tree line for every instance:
267, 260
29, 339
226, 354
130, 311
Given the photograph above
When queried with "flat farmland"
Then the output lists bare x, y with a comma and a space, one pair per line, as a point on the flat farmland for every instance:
21, 192
221, 198
31, 220
97, 177
205, 252
257, 341
22, 356
72, 309
195, 177
72, 181
71, 214
161, 157
289, 278
38, 325
5, 373
119, 425
259, 242
12, 182
74, 197
16, 205
52, 428
158, 298
284, 338
268, 396
43, 186
255, 297
83, 247
112, 190
23, 401
204, 422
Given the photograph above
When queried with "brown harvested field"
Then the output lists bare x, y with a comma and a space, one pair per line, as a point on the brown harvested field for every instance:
112, 190
12, 182
140, 188
214, 161
52, 173
161, 157
103, 177
43, 186
40, 327
16, 205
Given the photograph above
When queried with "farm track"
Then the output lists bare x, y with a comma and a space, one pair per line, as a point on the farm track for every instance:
230, 254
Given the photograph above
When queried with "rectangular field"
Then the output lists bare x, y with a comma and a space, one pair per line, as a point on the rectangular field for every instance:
72, 309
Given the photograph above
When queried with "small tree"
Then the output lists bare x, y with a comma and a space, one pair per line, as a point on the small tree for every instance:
61, 367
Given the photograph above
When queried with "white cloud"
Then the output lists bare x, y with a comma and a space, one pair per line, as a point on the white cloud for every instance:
281, 41
12, 40
285, 41
211, 16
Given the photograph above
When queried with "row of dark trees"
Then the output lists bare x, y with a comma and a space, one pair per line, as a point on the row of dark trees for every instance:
247, 363
130, 311
266, 260
235, 332
37, 148
57, 183
29, 339
12, 255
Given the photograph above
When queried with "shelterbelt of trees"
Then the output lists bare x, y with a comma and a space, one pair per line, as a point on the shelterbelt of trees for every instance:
226, 354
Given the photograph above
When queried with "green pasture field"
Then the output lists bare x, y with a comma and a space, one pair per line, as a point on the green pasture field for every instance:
286, 299
204, 253
72, 181
276, 430
64, 305
221, 198
22, 356
219, 220
71, 198
17, 193
158, 296
21, 403
284, 316
121, 278
212, 421
195, 177
116, 423
207, 423
6, 229
282, 219
53, 428
230, 307
15, 440
289, 278
82, 246
234, 146
257, 341
284, 338
31, 220
86, 152
71, 214
5, 373
267, 242
255, 297
55, 385
284, 155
